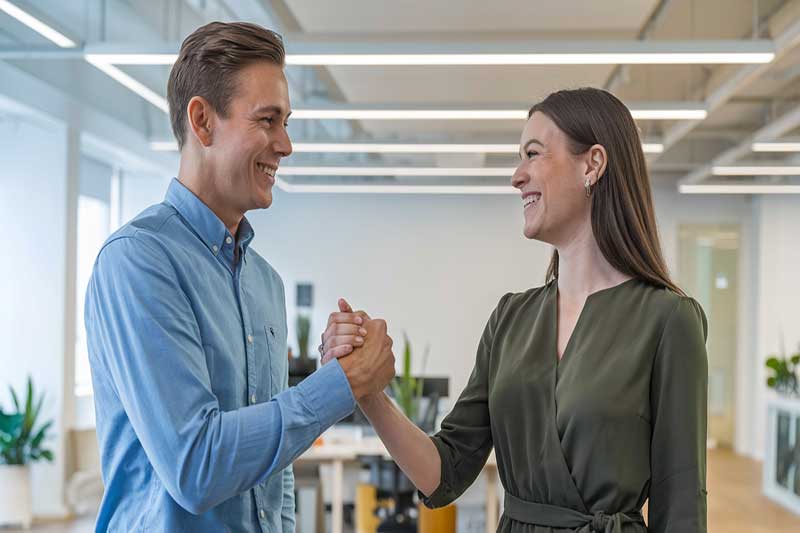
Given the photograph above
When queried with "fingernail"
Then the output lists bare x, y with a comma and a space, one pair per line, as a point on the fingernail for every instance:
362, 331
359, 320
359, 339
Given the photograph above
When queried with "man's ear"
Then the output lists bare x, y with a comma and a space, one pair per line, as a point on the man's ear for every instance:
200, 116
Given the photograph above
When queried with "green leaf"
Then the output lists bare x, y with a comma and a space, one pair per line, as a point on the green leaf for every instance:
40, 435
14, 398
47, 454
773, 363
28, 424
771, 382
10, 424
796, 358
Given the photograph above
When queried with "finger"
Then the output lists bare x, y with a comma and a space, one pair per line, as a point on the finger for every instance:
345, 318
344, 307
342, 340
348, 329
335, 353
335, 330
363, 314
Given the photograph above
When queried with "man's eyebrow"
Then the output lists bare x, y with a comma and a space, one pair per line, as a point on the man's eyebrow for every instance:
271, 109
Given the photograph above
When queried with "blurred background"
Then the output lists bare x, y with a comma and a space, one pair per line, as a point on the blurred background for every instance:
407, 116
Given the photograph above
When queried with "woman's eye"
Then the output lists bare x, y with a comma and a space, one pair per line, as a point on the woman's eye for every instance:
531, 153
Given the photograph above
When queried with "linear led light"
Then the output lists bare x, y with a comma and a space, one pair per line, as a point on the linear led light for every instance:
396, 171
130, 83
472, 59
411, 114
652, 148
303, 51
771, 170
654, 58
399, 189
732, 188
391, 148
777, 146
474, 114
37, 25
164, 146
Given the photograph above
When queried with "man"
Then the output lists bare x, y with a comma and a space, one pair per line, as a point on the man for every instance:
187, 324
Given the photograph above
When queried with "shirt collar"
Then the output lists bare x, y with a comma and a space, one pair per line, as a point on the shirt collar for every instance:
205, 223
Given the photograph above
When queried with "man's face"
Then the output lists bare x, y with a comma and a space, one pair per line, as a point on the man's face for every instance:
248, 145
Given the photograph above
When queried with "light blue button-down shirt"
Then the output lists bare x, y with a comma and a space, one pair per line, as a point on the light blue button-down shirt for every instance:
197, 428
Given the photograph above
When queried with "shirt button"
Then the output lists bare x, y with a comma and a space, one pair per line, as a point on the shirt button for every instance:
215, 248
228, 240
262, 514
250, 339
253, 398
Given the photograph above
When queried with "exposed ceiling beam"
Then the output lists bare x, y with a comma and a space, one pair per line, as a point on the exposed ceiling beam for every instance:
773, 130
784, 43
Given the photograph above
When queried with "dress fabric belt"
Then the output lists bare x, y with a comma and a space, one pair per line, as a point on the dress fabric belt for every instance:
540, 514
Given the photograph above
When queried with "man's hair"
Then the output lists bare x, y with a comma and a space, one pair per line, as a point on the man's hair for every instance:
208, 64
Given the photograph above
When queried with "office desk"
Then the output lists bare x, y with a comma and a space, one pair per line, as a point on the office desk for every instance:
337, 454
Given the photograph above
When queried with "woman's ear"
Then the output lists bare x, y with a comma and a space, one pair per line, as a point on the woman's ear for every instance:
597, 161
200, 117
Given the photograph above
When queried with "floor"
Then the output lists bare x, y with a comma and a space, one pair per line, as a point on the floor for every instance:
735, 503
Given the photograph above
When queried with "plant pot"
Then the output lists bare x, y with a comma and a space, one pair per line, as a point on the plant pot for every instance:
15, 496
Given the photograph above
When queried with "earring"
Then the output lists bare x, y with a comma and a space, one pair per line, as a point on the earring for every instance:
588, 186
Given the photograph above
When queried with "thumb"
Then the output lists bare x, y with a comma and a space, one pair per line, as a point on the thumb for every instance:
344, 307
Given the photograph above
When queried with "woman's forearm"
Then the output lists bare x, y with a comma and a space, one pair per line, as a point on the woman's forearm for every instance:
411, 448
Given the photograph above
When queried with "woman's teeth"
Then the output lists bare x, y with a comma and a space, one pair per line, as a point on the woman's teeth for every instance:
269, 171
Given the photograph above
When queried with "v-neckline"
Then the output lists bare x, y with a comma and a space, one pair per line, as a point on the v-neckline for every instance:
561, 360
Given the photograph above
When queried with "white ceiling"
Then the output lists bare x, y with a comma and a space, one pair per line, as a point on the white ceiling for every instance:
449, 16
734, 116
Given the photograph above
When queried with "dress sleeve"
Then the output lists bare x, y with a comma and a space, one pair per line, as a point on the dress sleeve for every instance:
678, 393
465, 440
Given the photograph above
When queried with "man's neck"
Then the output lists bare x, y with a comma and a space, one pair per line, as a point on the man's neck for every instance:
201, 184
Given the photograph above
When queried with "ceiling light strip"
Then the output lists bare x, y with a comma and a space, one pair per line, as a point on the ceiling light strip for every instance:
709, 188
130, 83
37, 25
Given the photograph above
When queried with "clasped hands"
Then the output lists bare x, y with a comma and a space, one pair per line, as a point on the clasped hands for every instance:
363, 348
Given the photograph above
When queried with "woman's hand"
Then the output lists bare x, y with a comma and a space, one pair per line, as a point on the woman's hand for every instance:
345, 332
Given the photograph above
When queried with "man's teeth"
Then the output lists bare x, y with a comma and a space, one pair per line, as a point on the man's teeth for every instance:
266, 170
529, 200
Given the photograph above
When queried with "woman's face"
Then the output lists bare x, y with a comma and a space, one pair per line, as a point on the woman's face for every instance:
551, 181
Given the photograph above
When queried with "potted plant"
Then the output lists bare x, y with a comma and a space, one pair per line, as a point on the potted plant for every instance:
407, 390
302, 365
784, 373
22, 440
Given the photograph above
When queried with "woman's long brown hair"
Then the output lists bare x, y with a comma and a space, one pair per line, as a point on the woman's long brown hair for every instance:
623, 218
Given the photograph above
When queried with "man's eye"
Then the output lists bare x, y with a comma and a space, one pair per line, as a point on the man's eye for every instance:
531, 153
268, 120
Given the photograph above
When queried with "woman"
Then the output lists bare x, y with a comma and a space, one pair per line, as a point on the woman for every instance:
592, 389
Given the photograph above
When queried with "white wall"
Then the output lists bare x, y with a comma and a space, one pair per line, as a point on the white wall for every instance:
778, 305
452, 257
33, 215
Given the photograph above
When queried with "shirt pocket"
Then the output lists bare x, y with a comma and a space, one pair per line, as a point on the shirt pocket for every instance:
278, 356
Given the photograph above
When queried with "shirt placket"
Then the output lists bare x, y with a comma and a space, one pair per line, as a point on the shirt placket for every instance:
252, 377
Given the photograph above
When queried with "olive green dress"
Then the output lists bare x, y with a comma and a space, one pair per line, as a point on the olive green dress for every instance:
583, 442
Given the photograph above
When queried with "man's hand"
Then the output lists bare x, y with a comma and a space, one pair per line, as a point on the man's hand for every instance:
370, 368
363, 347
